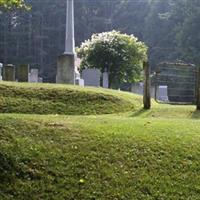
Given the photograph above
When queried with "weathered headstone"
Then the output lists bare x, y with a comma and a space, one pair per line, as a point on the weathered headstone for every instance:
1, 66
105, 80
22, 73
79, 82
33, 76
9, 72
65, 69
91, 77
163, 93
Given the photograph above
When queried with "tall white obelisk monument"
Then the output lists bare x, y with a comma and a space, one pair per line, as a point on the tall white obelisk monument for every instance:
66, 62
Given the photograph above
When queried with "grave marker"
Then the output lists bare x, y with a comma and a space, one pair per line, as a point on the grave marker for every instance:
33, 76
80, 82
1, 66
9, 72
91, 77
22, 73
105, 80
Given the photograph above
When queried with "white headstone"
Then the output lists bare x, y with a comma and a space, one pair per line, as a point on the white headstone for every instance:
80, 82
105, 80
33, 76
1, 66
91, 77
162, 93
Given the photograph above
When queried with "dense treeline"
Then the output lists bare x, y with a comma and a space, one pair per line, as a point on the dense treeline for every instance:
169, 27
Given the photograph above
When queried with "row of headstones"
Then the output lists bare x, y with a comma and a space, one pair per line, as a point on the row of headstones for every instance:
92, 77
161, 91
21, 73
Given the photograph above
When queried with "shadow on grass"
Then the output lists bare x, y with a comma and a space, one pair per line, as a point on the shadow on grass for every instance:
139, 112
195, 114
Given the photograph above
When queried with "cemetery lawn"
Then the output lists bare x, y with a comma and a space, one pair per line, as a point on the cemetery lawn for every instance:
104, 147
135, 155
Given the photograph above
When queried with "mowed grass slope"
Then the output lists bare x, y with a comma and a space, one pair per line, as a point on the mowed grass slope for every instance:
134, 155
98, 157
63, 99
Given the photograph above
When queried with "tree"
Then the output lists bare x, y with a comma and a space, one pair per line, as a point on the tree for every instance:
187, 13
168, 27
8, 4
121, 55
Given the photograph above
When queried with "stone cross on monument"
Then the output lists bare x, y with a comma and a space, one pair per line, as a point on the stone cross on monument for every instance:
66, 62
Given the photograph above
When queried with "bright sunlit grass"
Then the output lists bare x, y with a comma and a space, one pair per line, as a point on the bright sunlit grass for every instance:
133, 155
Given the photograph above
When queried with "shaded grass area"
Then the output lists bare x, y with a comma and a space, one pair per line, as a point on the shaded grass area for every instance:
99, 157
63, 99
167, 111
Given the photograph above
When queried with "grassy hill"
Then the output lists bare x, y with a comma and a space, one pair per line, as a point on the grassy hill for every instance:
98, 157
137, 155
62, 99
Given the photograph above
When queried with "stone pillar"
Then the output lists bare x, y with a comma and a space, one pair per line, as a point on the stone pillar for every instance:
9, 72
105, 80
66, 62
1, 66
22, 73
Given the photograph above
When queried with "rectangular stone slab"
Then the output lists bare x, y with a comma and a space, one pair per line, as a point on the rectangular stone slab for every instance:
65, 69
33, 76
22, 73
9, 73
91, 77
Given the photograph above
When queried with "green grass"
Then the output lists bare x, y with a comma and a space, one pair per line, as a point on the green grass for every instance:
63, 99
137, 155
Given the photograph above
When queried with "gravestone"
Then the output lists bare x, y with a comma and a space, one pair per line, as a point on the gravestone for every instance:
163, 93
91, 77
40, 80
33, 76
1, 66
22, 73
9, 72
65, 69
105, 80
80, 82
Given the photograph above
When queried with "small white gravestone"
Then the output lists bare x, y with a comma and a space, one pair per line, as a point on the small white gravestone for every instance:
1, 66
77, 74
162, 93
33, 76
91, 77
79, 82
105, 80
40, 80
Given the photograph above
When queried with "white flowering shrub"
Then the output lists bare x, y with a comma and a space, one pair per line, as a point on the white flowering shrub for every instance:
121, 55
